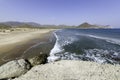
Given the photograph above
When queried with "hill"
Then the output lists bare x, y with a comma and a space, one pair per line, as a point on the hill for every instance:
3, 26
16, 24
87, 25
33, 25
37, 25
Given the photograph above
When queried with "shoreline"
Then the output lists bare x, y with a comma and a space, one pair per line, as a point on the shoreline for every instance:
32, 65
10, 50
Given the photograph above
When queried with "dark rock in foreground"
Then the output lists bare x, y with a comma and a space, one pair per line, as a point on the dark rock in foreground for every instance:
37, 60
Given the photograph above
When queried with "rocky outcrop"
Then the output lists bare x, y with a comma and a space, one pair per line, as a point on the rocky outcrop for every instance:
37, 60
73, 70
14, 68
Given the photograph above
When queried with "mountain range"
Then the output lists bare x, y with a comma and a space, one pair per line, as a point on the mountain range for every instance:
33, 24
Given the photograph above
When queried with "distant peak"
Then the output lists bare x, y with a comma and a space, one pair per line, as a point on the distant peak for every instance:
87, 25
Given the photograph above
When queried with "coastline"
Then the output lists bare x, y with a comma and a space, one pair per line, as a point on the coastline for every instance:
13, 44
35, 68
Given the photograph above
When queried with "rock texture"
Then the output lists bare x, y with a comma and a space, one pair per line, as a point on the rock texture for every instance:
14, 68
37, 60
73, 70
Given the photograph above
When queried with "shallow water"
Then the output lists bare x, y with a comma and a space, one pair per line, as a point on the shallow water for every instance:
99, 45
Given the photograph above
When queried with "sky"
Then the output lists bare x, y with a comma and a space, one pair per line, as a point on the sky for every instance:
68, 12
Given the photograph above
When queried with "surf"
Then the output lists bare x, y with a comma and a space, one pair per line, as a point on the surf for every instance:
78, 45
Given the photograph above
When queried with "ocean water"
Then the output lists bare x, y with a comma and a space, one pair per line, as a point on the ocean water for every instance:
98, 45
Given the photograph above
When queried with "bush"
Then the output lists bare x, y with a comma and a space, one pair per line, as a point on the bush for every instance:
3, 26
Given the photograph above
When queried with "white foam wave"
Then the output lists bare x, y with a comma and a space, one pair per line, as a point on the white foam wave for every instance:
110, 40
58, 47
107, 39
97, 55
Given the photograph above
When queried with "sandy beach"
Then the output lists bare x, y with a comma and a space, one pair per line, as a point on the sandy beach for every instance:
13, 44
20, 36
20, 50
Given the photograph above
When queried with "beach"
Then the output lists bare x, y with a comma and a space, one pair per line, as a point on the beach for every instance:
50, 54
13, 44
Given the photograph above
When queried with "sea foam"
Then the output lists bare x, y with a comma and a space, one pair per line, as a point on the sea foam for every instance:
58, 47
102, 55
110, 40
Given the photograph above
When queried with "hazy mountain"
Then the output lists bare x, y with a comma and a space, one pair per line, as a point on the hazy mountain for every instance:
15, 23
33, 24
87, 25
3, 26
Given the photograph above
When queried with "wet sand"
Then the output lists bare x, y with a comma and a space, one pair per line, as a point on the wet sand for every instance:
24, 44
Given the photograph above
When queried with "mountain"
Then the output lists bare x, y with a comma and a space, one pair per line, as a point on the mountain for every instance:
87, 25
16, 24
3, 26
33, 24
13, 23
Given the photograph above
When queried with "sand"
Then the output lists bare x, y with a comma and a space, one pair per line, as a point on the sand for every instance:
20, 36
13, 44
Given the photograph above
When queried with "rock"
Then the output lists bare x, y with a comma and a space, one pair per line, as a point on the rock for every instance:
40, 59
73, 70
7, 31
14, 68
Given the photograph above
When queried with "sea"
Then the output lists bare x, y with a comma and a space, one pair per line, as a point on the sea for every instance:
97, 45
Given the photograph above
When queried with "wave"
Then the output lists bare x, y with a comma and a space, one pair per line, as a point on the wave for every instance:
96, 55
58, 47
102, 55
110, 40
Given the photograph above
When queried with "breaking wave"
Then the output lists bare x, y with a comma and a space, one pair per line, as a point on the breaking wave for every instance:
77, 46
111, 40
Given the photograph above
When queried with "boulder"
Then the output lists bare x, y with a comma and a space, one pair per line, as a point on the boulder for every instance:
72, 70
36, 60
14, 68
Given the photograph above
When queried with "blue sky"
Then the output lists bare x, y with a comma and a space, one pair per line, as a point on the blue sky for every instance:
69, 12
